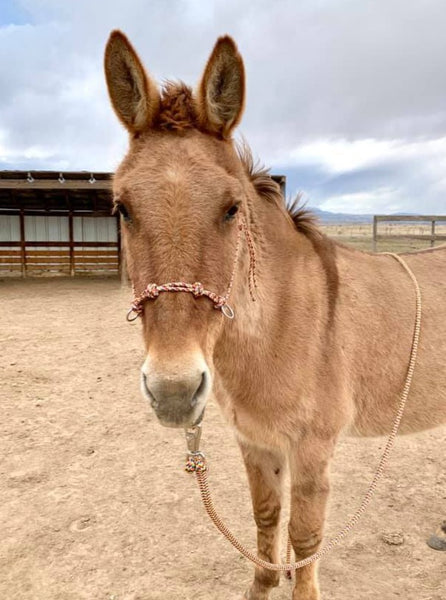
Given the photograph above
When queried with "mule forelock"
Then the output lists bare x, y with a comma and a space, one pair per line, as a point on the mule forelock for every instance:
177, 109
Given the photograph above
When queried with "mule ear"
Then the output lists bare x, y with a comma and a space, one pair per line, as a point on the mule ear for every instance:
221, 93
134, 96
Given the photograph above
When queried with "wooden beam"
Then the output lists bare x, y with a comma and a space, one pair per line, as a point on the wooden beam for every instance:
410, 217
54, 184
411, 236
63, 244
56, 213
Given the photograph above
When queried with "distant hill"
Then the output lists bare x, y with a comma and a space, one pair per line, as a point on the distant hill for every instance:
327, 217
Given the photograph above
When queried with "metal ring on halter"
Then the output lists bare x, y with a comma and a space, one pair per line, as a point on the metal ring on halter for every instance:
136, 315
227, 311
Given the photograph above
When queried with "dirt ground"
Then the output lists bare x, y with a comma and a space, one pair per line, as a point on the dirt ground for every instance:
94, 502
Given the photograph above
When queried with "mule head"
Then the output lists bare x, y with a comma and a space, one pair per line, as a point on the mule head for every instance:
180, 190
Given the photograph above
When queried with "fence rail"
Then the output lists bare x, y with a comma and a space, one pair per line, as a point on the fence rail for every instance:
431, 237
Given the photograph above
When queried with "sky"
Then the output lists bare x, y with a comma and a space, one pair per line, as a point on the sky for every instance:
347, 98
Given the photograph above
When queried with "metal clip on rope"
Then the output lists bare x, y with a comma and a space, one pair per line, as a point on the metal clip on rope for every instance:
196, 460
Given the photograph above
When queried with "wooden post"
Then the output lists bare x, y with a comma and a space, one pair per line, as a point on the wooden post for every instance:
70, 229
122, 267
70, 233
375, 227
433, 233
23, 241
122, 264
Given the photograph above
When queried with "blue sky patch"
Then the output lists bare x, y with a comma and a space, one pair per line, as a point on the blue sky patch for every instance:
11, 13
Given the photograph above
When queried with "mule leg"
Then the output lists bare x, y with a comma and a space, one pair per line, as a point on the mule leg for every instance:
265, 475
309, 494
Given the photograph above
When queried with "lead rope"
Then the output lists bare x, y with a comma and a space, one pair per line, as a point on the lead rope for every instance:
196, 463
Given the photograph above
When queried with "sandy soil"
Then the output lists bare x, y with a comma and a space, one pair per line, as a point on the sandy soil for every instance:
94, 502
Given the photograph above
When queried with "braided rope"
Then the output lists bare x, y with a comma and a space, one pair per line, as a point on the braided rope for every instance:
252, 279
199, 466
153, 290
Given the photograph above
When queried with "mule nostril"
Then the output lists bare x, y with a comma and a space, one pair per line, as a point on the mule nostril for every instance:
202, 385
153, 401
144, 382
200, 389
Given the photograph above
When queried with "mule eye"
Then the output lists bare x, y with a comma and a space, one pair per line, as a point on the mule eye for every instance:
122, 211
232, 212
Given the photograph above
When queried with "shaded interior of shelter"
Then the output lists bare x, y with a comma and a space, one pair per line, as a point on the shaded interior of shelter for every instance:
55, 223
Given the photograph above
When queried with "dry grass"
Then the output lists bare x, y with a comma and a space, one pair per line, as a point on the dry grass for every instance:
360, 235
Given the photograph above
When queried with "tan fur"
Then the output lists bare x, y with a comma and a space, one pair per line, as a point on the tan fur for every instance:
133, 94
221, 93
325, 347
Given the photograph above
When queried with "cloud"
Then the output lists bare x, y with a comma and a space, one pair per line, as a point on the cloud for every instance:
366, 176
347, 98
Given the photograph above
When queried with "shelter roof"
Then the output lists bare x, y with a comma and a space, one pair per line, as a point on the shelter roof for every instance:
37, 192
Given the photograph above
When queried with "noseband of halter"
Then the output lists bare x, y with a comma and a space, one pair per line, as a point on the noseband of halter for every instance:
153, 290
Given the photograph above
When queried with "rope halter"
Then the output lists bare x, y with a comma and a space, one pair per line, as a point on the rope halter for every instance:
153, 290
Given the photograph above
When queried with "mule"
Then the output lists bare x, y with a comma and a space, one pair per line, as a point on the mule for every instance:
322, 347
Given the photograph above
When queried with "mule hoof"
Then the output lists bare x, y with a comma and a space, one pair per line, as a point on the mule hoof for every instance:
250, 595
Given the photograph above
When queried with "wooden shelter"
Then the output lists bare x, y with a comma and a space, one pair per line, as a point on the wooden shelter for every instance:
55, 223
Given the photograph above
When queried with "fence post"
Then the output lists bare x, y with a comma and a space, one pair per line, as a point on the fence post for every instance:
433, 233
375, 227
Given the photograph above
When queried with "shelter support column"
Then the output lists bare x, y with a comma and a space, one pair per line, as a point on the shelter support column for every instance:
22, 241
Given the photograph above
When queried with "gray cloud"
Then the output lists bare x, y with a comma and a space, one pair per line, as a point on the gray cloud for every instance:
330, 72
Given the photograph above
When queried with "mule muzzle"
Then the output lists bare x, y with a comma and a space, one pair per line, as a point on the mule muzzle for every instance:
177, 401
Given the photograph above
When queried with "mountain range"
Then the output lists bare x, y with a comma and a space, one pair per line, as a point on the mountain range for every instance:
327, 217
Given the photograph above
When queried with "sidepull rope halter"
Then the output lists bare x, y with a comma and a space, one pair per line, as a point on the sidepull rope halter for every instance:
153, 290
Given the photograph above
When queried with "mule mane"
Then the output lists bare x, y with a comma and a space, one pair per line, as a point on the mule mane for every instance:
303, 219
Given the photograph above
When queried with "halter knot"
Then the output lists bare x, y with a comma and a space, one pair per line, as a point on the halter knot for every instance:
197, 289
195, 463
219, 301
151, 292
